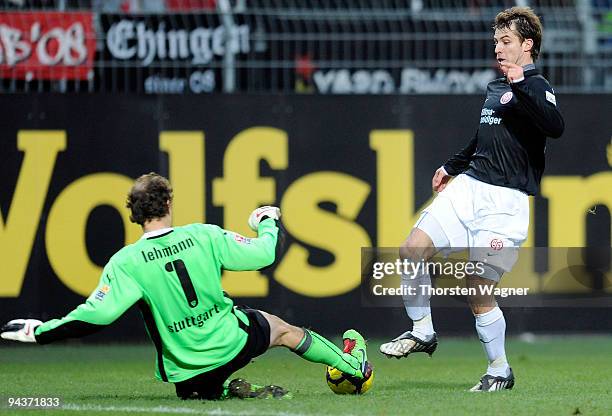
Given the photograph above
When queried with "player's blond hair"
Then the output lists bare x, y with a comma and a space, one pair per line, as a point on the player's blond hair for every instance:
527, 26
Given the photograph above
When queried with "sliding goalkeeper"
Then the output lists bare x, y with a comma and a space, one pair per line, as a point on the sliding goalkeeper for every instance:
174, 275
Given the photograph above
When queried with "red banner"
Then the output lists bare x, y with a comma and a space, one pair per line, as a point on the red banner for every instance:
52, 45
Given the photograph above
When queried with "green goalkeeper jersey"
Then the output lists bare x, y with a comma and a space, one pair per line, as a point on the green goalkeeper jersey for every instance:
175, 277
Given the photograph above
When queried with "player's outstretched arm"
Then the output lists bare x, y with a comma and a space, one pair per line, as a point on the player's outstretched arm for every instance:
113, 296
240, 253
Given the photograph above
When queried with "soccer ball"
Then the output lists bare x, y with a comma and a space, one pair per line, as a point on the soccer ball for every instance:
341, 383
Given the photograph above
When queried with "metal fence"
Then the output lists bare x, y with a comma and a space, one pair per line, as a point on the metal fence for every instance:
288, 46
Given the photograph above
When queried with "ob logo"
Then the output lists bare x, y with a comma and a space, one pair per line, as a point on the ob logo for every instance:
497, 244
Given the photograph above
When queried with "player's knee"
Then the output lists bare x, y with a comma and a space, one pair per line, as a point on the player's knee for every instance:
416, 247
410, 252
407, 251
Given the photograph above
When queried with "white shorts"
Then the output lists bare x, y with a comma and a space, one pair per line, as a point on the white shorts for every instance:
491, 220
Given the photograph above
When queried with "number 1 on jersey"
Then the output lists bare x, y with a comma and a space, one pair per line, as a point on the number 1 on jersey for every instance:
179, 267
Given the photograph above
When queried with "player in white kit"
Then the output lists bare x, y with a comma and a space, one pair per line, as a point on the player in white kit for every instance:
486, 206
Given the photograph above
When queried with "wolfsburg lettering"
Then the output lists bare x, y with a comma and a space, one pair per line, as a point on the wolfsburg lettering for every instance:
167, 251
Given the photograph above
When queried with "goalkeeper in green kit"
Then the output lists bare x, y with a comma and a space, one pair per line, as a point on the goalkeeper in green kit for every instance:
174, 275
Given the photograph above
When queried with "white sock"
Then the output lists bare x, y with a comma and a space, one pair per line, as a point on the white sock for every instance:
491, 328
423, 328
417, 305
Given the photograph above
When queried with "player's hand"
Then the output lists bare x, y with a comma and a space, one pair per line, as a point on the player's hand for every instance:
21, 330
511, 71
440, 179
263, 212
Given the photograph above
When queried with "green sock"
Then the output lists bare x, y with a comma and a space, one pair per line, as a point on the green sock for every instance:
225, 394
317, 349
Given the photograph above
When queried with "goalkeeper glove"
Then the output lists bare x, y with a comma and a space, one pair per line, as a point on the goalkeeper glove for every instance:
20, 330
261, 213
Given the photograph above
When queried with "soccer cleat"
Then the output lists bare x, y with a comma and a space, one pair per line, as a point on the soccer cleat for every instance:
355, 345
407, 344
494, 383
242, 389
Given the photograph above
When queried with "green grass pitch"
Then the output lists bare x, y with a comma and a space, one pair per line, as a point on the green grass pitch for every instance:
555, 376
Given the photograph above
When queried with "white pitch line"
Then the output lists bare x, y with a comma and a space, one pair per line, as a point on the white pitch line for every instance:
156, 409
170, 410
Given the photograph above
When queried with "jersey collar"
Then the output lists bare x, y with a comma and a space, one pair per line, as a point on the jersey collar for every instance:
157, 233
528, 67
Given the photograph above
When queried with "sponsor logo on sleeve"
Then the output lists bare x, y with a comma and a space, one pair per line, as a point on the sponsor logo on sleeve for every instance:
550, 97
242, 239
101, 293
